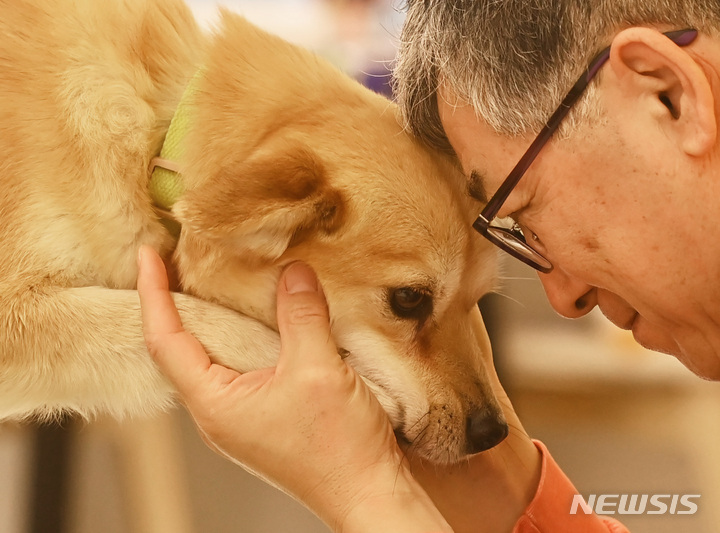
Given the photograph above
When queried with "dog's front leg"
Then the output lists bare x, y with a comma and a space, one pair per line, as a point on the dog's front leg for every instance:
82, 349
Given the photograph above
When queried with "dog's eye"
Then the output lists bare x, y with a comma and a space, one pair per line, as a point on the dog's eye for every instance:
407, 302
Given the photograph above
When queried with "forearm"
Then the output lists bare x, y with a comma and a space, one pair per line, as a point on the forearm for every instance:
511, 498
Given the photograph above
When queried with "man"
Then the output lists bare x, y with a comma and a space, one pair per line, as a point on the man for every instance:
620, 201
610, 190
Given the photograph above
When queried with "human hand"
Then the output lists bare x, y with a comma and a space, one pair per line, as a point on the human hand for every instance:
309, 426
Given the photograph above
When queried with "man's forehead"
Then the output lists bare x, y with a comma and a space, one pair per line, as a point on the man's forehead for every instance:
466, 134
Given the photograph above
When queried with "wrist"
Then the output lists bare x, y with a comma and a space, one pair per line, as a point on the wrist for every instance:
515, 464
490, 491
390, 500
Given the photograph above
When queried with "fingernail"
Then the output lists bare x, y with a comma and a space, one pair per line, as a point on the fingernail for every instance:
300, 278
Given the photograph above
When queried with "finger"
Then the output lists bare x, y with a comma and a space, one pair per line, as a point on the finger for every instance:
178, 354
303, 319
159, 313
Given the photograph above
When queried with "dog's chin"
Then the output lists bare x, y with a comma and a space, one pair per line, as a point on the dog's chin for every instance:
416, 440
437, 455
416, 447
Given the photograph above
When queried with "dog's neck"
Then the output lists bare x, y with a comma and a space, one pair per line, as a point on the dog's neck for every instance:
166, 184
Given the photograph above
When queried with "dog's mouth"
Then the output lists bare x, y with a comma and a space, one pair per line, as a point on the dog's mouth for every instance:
441, 440
442, 435
445, 432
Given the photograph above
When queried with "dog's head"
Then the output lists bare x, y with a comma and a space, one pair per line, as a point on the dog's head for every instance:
290, 160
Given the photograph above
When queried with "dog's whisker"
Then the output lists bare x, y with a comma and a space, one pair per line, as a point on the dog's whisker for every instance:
418, 421
518, 278
510, 298
419, 439
414, 442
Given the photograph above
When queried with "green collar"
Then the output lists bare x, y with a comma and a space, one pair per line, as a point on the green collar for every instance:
166, 184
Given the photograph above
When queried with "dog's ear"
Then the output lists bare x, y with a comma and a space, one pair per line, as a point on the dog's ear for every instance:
275, 199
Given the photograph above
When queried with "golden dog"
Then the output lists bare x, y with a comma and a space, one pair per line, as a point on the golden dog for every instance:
283, 158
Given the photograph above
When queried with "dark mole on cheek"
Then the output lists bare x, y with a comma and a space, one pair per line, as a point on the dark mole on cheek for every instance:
590, 244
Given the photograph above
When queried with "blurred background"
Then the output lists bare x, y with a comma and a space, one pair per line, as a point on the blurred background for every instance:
618, 419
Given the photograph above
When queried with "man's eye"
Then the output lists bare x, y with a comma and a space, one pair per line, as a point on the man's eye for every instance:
410, 303
518, 231
525, 234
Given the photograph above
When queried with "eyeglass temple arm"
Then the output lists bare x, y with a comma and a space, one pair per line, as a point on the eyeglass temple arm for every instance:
679, 37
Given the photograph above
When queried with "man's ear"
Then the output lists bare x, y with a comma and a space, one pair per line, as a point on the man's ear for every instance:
277, 198
652, 69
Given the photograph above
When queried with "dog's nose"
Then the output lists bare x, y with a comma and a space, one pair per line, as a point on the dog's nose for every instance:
485, 429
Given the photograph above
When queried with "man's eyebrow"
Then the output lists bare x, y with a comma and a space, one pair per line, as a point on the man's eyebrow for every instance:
476, 186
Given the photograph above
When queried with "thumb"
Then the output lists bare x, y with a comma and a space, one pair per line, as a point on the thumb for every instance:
303, 319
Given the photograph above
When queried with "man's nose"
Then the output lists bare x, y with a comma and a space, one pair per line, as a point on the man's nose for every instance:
569, 296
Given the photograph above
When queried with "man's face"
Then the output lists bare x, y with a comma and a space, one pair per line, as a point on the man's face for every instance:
614, 210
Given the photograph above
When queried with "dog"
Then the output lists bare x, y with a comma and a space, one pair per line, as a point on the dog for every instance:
278, 157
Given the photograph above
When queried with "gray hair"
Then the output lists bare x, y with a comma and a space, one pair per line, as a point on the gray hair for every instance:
514, 60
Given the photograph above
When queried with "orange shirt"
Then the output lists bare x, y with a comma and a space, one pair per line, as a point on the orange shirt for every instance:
549, 512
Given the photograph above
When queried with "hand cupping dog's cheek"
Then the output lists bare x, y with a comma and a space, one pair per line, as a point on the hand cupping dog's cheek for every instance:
310, 426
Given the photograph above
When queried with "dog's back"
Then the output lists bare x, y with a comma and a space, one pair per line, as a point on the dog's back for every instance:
87, 93
87, 89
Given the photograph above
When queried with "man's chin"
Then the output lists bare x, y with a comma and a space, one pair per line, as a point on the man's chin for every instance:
709, 370
703, 365
652, 339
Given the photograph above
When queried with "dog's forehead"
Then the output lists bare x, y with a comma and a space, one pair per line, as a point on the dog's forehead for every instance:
408, 211
414, 207
439, 251
406, 183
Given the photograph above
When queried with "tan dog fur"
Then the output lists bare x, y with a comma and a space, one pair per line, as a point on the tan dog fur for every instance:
287, 159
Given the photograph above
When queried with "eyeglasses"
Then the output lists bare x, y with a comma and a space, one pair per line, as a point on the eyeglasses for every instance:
506, 233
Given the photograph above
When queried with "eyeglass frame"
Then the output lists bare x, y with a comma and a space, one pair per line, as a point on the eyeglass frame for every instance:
483, 223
